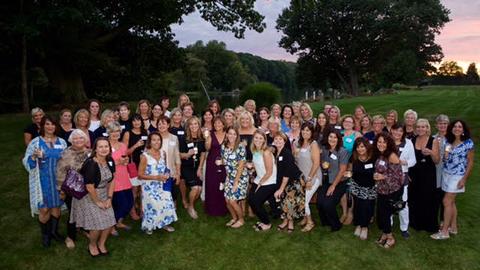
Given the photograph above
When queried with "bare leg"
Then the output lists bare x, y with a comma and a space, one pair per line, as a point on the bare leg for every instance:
448, 203
44, 215
93, 239
102, 240
231, 210
343, 204
183, 192
238, 212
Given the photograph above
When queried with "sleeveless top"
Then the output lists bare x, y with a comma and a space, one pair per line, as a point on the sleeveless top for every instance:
305, 163
133, 139
260, 169
348, 142
155, 167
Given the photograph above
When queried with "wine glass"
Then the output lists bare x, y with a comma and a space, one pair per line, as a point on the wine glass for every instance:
218, 162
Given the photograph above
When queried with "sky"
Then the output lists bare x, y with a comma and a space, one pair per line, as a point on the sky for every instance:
460, 38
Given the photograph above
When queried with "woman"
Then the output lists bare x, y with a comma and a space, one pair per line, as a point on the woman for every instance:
158, 207
410, 118
229, 116
106, 119
94, 212
215, 174
154, 117
378, 124
144, 108
291, 192
192, 153
40, 161
66, 125
362, 186
182, 99
275, 110
389, 178
321, 127
170, 146
94, 109
442, 122
286, 115
390, 119
135, 140
207, 120
307, 157
458, 165
122, 201
72, 159
81, 119
251, 107
334, 160
124, 117
238, 110
307, 113
334, 117
349, 134
407, 160
246, 130
176, 128
187, 111
294, 134
366, 124
233, 156
422, 189
264, 185
32, 130
263, 116
358, 114
165, 103
214, 106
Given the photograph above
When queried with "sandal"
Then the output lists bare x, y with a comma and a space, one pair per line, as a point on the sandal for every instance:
231, 222
308, 227
389, 243
363, 234
281, 228
303, 222
381, 240
439, 236
452, 231
260, 228
237, 225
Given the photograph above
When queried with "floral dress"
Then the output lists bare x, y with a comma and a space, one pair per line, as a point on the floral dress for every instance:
231, 159
158, 206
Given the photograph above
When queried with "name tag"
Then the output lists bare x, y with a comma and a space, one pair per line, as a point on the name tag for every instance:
232, 156
348, 140
58, 146
371, 142
122, 126
180, 132
110, 163
303, 150
381, 162
221, 187
338, 127
190, 145
105, 134
280, 158
368, 166
172, 143
400, 149
144, 138
333, 156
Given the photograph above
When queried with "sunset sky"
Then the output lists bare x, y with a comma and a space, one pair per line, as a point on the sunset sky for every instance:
460, 38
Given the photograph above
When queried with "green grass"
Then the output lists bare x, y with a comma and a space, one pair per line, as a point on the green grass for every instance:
207, 244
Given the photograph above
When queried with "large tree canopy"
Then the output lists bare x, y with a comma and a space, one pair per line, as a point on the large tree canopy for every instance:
69, 38
358, 38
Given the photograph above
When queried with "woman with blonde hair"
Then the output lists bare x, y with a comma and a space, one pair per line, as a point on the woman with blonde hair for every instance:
106, 119
334, 117
81, 119
357, 116
32, 130
229, 116
307, 113
390, 119
410, 117
182, 99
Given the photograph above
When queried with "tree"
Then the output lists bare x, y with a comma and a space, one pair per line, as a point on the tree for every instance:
268, 92
350, 38
450, 69
472, 74
74, 35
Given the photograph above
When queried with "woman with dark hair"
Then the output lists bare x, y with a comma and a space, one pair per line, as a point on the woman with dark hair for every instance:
192, 153
291, 192
94, 212
389, 177
124, 117
187, 111
408, 160
94, 109
158, 207
40, 161
214, 174
32, 130
422, 204
358, 115
458, 165
144, 109
263, 116
366, 124
170, 145
207, 120
165, 103
362, 186
154, 117
214, 106
286, 115
321, 127
307, 157
65, 125
334, 161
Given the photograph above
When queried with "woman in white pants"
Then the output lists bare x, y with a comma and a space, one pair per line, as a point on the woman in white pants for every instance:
307, 156
407, 159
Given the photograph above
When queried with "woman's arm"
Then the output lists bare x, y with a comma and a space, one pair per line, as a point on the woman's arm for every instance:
435, 152
468, 171
27, 138
281, 189
201, 163
315, 156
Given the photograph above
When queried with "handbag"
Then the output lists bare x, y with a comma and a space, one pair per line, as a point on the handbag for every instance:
73, 185
132, 170
168, 185
397, 205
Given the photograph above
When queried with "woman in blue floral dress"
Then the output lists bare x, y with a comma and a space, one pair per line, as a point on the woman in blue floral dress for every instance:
457, 167
158, 206
234, 158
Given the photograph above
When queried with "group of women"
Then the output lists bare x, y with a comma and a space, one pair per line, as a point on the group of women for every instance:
239, 161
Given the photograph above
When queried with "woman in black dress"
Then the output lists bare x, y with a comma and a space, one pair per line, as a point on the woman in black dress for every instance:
422, 190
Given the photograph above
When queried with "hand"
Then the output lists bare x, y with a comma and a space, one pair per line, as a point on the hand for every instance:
403, 162
378, 176
278, 194
108, 203
124, 160
163, 177
100, 205
191, 152
309, 184
330, 190
235, 187
426, 151
140, 143
461, 183
62, 195
199, 173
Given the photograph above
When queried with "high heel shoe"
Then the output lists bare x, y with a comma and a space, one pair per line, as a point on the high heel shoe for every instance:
389, 243
308, 227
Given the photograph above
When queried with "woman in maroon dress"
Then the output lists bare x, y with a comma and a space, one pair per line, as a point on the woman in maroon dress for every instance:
215, 175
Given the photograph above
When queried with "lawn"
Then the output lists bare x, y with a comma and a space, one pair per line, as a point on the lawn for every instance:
207, 244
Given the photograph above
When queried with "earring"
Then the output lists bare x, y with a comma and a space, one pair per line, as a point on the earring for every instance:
463, 134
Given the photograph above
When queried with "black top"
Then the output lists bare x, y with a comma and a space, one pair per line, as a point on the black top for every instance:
185, 146
248, 138
65, 134
126, 125
270, 142
179, 132
100, 132
362, 172
133, 139
370, 136
91, 171
286, 166
410, 135
33, 130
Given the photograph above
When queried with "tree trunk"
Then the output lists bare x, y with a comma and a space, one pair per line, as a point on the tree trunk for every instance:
353, 81
23, 70
343, 81
65, 78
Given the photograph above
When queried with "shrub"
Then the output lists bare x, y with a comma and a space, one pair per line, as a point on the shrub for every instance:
264, 94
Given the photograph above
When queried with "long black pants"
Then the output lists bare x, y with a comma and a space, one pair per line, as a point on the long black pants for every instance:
327, 205
71, 227
257, 199
385, 210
